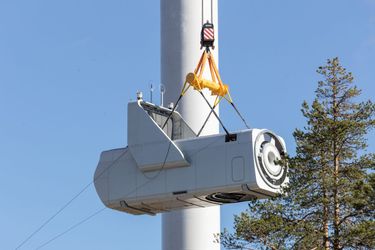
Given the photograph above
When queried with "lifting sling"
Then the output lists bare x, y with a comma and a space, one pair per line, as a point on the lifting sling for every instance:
215, 85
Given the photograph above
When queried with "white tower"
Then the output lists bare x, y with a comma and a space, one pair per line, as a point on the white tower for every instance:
181, 22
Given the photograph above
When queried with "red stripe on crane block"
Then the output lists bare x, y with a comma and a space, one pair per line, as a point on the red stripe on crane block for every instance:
208, 33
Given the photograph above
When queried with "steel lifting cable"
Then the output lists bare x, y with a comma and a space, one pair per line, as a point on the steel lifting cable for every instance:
208, 117
212, 109
239, 114
212, 11
183, 91
216, 85
214, 112
195, 80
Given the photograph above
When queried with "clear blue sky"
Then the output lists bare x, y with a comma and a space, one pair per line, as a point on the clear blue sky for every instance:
68, 69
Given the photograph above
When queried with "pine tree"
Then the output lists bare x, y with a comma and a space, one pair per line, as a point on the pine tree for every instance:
330, 200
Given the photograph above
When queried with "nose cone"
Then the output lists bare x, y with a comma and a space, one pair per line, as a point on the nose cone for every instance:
271, 155
268, 149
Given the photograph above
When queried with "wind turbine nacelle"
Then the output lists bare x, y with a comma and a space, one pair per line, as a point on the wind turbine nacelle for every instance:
169, 169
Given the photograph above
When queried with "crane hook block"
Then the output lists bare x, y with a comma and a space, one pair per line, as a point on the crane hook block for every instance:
200, 83
207, 35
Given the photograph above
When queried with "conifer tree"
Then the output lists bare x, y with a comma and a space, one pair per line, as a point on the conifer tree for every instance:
330, 200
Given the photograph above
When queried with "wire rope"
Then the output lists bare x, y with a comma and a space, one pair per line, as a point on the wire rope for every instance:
239, 114
46, 222
213, 111
102, 209
71, 227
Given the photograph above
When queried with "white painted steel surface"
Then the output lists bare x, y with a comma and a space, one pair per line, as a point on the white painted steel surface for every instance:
187, 171
180, 24
194, 227
145, 138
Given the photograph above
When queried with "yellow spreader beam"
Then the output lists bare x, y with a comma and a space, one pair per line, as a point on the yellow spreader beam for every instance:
215, 85
200, 83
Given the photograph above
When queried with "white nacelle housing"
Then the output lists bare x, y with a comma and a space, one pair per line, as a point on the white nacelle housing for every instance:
168, 169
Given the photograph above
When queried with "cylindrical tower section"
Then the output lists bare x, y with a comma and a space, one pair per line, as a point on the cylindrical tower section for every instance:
181, 22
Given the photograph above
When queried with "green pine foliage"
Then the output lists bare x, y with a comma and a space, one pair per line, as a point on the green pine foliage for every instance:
330, 200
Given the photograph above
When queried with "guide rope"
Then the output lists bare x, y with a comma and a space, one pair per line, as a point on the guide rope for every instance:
104, 208
46, 222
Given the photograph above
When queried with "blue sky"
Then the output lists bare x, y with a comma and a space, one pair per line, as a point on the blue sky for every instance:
68, 69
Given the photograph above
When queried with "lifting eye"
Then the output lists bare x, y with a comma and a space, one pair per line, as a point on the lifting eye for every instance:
230, 137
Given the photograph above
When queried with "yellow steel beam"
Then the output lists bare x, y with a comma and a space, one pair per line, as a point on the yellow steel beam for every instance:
199, 84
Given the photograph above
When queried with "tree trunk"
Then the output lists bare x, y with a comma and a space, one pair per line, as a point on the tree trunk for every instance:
336, 216
325, 204
325, 219
336, 219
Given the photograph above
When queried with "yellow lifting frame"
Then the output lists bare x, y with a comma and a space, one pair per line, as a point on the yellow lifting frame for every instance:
215, 85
